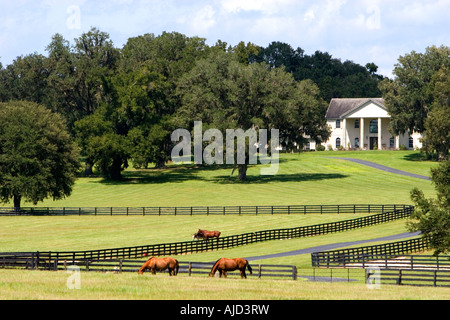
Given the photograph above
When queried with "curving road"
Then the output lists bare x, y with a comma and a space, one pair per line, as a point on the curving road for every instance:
383, 168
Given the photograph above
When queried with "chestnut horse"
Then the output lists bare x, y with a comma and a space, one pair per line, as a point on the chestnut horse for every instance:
160, 264
205, 234
223, 265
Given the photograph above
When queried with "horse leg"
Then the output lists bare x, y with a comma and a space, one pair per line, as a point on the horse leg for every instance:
243, 275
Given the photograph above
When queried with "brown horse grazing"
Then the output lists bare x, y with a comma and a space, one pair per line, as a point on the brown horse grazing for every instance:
223, 265
205, 234
160, 264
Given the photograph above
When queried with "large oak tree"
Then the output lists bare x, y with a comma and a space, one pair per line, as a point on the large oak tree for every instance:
38, 158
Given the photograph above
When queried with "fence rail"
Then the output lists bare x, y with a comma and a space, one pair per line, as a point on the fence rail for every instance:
203, 210
48, 258
424, 277
189, 268
341, 258
410, 262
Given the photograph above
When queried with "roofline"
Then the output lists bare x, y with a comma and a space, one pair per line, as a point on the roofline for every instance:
361, 105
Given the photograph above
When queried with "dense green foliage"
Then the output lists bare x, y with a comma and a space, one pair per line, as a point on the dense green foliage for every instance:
123, 104
418, 99
37, 156
336, 79
432, 216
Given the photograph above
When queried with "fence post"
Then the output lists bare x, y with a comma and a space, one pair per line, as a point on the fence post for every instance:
435, 278
294, 273
399, 281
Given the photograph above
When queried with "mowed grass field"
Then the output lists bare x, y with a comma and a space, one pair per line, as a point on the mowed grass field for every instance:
307, 178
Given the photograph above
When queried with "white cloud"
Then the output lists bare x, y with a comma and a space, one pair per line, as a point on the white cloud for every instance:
359, 30
264, 6
202, 20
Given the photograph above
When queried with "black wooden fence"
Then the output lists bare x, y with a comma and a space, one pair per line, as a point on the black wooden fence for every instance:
362, 255
417, 277
188, 268
204, 210
46, 259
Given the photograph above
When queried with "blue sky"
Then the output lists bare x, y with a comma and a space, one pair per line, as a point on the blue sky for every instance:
363, 31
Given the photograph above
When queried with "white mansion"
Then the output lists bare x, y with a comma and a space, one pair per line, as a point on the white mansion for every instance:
363, 123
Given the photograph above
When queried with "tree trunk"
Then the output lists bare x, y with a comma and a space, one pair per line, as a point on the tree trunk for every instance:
17, 199
88, 169
160, 163
242, 172
116, 170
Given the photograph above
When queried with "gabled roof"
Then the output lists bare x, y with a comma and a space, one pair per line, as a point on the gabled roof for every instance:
340, 107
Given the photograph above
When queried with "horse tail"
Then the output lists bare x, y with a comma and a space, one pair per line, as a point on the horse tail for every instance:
248, 267
177, 266
214, 268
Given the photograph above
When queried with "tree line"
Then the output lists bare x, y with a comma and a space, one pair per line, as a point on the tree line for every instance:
121, 104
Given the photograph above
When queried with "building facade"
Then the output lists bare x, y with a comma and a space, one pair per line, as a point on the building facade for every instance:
363, 124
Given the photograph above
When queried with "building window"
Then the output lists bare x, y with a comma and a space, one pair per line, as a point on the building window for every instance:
373, 127
338, 124
391, 142
356, 142
411, 143
356, 123
338, 142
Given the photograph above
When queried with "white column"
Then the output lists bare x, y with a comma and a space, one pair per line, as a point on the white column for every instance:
397, 142
361, 133
380, 147
344, 143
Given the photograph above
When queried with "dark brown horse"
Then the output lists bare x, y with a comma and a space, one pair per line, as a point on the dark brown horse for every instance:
224, 265
205, 234
160, 264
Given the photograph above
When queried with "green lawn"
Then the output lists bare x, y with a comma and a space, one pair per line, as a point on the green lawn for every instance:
31, 285
306, 178
76, 233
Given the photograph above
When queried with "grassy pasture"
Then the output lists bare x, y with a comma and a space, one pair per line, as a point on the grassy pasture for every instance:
73, 233
17, 284
307, 178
